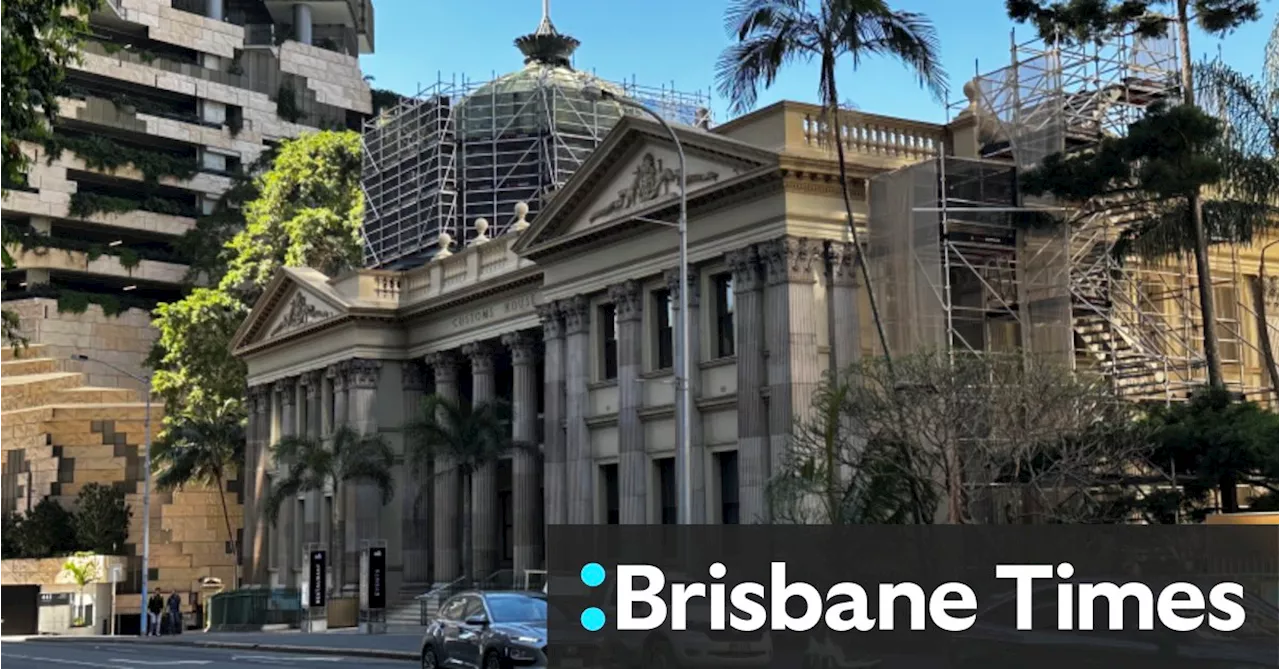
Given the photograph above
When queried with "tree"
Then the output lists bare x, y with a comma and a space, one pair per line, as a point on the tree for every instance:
305, 212
1214, 442
13, 336
40, 40
10, 536
204, 450
457, 437
82, 569
983, 438
1082, 20
773, 33
46, 531
102, 519
316, 466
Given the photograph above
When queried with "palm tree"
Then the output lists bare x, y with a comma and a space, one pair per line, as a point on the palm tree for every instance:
82, 568
205, 450
773, 33
469, 437
315, 466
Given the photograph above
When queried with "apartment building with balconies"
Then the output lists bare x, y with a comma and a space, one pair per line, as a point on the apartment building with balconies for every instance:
170, 103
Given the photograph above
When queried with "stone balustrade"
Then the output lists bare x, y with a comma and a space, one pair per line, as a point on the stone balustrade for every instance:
868, 134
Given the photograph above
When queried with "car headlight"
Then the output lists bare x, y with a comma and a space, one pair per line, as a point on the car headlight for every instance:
530, 640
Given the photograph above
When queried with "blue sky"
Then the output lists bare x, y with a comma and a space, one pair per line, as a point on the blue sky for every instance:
676, 42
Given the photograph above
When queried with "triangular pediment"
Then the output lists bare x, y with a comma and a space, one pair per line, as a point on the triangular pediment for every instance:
296, 300
634, 173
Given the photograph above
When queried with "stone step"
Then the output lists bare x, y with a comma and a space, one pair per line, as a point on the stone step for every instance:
28, 366
30, 351
94, 395
32, 390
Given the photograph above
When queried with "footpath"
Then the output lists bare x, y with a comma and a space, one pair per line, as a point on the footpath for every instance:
398, 643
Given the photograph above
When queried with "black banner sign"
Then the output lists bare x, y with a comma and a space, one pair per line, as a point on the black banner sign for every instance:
377, 578
316, 595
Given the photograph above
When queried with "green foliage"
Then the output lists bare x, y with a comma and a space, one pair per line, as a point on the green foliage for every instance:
1079, 21
468, 436
203, 449
287, 104
77, 302
85, 204
13, 336
39, 39
1215, 441
107, 155
194, 369
384, 100
47, 530
307, 214
102, 519
10, 536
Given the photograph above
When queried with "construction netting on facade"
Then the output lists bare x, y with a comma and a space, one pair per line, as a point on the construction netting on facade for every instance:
461, 153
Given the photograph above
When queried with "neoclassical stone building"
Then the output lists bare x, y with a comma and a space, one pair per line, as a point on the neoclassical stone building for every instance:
571, 320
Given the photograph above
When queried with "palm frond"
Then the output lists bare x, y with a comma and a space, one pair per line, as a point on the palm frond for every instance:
769, 34
870, 28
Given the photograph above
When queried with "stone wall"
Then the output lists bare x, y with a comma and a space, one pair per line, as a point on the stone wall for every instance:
123, 340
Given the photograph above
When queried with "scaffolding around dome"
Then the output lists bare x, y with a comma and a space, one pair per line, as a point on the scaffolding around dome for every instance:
461, 151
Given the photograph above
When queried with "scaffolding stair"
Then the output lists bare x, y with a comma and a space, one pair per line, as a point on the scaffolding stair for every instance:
1132, 371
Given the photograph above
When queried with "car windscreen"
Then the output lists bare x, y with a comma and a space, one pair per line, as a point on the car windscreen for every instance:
517, 609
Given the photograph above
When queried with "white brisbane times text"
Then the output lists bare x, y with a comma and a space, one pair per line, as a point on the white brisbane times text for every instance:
750, 606
1225, 610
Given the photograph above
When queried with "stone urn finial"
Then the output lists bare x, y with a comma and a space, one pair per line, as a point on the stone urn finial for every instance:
482, 229
522, 210
444, 242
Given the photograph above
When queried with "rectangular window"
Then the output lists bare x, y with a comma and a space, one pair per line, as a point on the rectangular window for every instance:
722, 285
609, 479
1224, 297
663, 318
727, 470
667, 490
608, 342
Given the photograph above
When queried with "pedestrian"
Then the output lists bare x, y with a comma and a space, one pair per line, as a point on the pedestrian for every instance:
155, 606
175, 613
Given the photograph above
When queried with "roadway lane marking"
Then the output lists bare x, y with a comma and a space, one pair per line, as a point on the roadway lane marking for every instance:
161, 663
279, 659
56, 660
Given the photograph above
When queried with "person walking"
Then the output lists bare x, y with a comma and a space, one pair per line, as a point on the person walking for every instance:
174, 604
155, 606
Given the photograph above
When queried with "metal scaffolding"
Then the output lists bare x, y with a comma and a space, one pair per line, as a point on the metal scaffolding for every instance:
962, 261
461, 152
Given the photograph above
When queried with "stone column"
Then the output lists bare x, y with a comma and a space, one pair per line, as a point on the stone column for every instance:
255, 550
287, 556
633, 464
312, 508
577, 327
483, 509
525, 502
248, 483
698, 457
553, 416
844, 331
444, 516
414, 486
362, 399
302, 22
791, 336
339, 499
753, 415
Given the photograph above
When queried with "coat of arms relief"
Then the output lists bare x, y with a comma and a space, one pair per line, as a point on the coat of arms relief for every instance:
650, 180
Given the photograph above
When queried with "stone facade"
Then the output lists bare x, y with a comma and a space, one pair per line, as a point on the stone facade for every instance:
59, 435
215, 98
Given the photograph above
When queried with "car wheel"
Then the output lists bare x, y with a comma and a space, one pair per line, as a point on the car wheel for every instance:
492, 661
658, 655
429, 658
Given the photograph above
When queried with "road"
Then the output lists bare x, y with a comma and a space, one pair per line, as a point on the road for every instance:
142, 655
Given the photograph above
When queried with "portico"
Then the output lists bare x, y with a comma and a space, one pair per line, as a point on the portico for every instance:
571, 320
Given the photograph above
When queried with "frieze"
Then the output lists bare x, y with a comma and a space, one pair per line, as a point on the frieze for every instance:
650, 180
487, 313
301, 312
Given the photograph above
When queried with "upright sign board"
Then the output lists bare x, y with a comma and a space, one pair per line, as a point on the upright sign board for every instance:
377, 577
316, 580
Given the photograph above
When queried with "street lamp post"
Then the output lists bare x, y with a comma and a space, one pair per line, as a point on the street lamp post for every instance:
146, 483
683, 471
